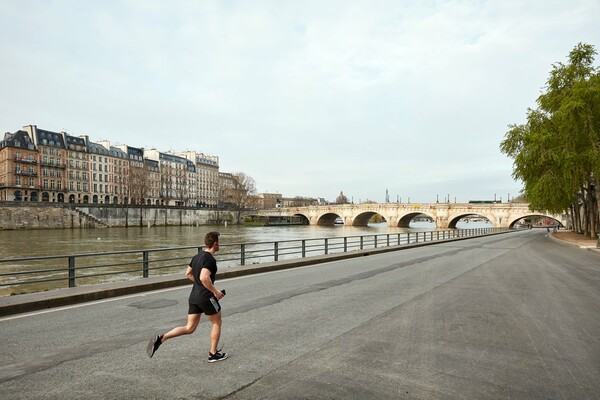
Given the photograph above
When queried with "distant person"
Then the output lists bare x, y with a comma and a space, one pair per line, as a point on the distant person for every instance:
204, 298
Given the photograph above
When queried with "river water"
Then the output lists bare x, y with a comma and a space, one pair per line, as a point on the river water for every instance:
34, 243
65, 242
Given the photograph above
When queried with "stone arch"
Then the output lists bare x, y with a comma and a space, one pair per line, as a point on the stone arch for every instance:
452, 223
363, 218
513, 223
304, 218
45, 196
327, 218
404, 221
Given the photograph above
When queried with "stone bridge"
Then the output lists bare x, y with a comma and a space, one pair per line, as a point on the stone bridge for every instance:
445, 215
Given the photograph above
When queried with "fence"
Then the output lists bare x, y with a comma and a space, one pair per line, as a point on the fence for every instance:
20, 275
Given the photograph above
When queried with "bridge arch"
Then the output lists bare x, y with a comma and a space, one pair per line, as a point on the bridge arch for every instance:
363, 218
404, 220
452, 223
534, 215
328, 218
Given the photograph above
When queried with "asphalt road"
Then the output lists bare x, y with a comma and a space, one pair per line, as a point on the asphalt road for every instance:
510, 316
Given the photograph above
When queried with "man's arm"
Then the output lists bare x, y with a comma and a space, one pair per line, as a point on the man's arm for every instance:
189, 274
205, 279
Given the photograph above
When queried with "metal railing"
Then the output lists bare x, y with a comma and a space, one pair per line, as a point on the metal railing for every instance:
31, 274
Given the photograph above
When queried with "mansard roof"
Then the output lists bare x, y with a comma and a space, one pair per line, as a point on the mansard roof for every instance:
75, 140
48, 138
20, 139
97, 148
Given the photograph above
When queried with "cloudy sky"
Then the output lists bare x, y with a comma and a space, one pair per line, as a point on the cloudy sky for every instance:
309, 98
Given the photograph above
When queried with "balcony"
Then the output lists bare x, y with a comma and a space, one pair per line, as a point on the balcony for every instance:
27, 173
53, 165
25, 160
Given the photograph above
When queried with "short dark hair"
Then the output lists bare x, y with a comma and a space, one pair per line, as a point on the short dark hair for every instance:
211, 238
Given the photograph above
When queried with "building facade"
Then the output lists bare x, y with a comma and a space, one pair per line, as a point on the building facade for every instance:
19, 168
42, 165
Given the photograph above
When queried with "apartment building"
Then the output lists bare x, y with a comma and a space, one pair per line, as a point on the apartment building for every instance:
78, 178
177, 180
41, 165
52, 161
19, 168
207, 177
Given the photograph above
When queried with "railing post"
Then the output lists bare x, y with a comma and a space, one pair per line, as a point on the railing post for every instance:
326, 246
361, 242
71, 271
145, 264
388, 240
345, 244
242, 254
303, 248
276, 251
375, 241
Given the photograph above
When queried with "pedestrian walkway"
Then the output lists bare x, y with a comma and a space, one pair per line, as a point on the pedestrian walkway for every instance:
576, 239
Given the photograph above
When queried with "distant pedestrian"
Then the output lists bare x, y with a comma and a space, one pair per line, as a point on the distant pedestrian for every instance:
204, 298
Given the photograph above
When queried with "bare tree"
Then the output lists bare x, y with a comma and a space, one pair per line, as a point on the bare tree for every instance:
238, 190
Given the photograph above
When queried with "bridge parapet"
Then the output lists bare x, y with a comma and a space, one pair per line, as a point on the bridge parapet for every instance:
445, 215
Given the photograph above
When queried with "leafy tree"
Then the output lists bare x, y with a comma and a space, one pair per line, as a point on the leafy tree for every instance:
557, 151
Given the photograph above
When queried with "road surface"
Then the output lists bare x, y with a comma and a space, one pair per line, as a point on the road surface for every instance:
508, 316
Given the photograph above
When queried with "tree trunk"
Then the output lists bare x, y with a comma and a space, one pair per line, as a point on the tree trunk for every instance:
577, 218
597, 212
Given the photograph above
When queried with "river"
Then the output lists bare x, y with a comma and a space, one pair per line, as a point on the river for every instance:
34, 243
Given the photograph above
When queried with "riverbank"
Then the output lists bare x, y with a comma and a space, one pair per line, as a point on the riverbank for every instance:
19, 216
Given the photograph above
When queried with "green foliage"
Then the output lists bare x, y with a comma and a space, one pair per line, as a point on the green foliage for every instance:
556, 152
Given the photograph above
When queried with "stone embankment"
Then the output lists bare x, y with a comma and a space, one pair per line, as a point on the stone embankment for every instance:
72, 216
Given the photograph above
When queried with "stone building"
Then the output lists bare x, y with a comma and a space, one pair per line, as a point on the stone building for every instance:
19, 168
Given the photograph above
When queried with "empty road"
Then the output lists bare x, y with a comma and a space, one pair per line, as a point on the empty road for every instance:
507, 316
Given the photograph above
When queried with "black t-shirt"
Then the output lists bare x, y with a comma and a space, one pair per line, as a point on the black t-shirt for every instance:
202, 260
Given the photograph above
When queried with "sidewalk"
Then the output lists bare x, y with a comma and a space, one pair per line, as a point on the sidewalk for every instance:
576, 239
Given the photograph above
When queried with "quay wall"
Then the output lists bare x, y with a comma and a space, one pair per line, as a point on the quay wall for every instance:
80, 216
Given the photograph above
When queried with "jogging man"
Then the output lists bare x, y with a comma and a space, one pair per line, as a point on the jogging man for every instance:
204, 298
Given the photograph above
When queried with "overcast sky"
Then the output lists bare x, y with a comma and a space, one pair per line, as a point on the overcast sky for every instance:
309, 98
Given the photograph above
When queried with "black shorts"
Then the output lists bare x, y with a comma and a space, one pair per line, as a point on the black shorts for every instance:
208, 306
